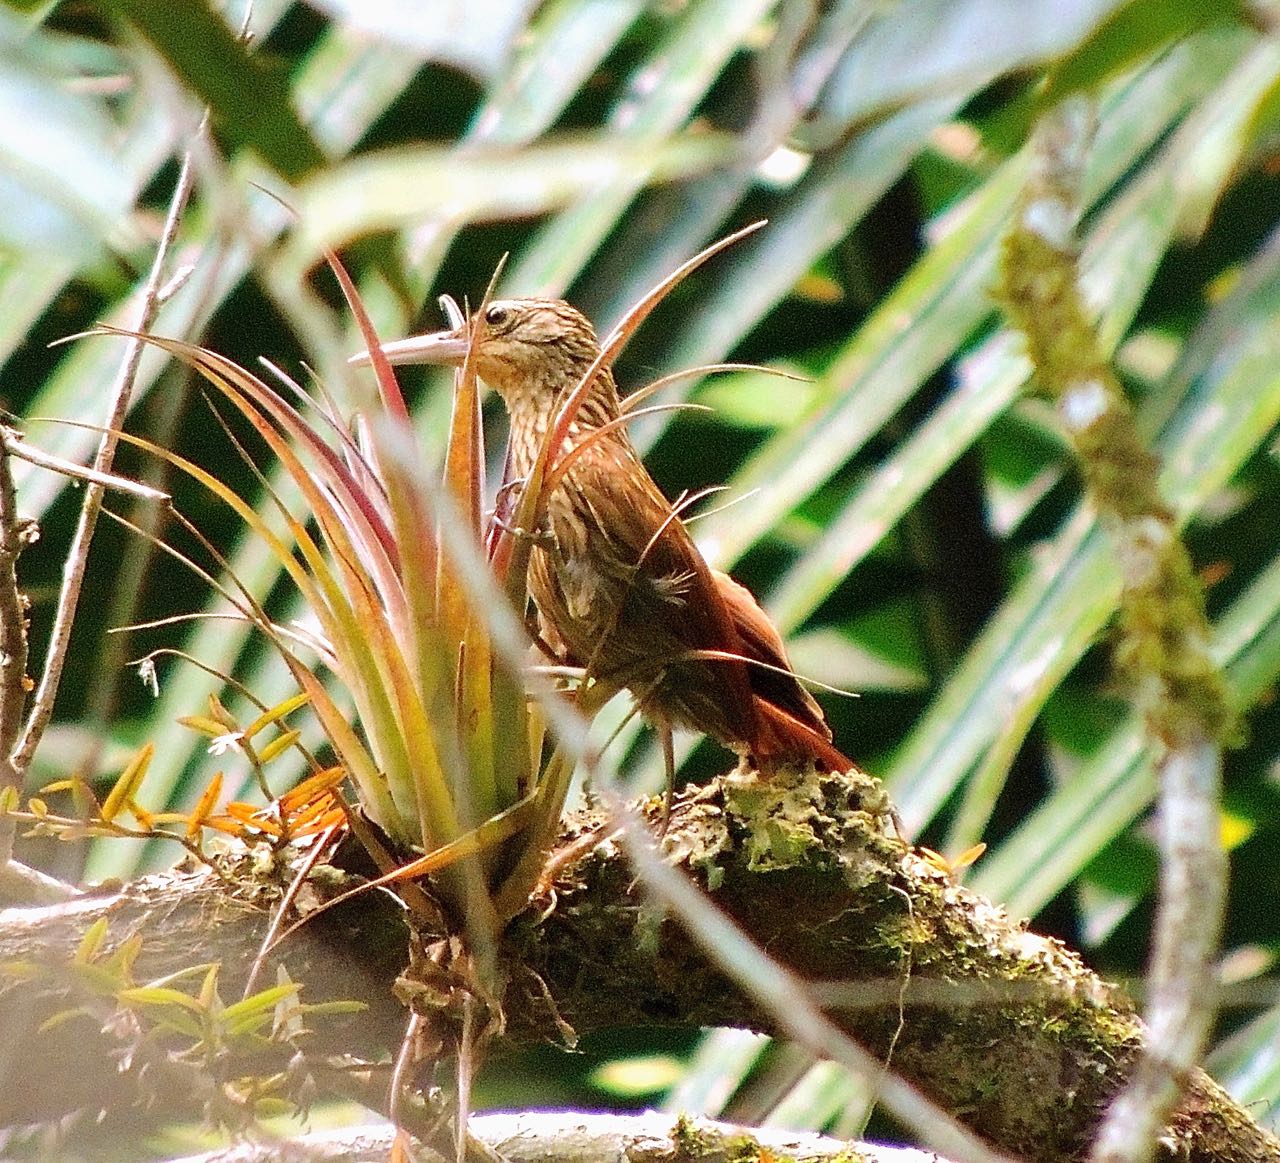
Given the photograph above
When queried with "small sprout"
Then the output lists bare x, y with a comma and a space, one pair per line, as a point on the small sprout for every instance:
126, 786
91, 942
259, 1010
209, 999
53, 1021
204, 808
953, 869
203, 724
220, 713
275, 714
278, 746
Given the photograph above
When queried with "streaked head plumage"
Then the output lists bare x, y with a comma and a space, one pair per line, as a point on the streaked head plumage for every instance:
533, 346
528, 351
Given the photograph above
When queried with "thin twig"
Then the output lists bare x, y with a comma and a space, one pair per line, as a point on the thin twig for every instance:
1181, 976
13, 651
78, 555
15, 445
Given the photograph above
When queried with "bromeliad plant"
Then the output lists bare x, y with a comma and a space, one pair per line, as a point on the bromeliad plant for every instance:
418, 598
460, 752
448, 755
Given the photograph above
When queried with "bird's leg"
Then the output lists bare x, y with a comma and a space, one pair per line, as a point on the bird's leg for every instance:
666, 738
533, 627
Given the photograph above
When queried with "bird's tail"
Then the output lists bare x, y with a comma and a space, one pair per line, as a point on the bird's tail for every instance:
782, 738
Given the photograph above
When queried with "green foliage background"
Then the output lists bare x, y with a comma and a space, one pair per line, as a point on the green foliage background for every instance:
915, 528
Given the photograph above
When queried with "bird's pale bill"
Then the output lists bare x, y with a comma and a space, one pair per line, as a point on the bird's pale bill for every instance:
438, 347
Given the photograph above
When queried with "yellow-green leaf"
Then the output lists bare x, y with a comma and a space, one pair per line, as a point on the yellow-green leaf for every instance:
276, 713
278, 746
91, 942
126, 786
159, 995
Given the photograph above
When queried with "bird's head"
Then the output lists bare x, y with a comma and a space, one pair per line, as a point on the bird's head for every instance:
530, 351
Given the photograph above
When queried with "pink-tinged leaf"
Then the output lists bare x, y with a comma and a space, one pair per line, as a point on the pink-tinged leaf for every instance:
388, 385
323, 404
238, 385
348, 630
617, 339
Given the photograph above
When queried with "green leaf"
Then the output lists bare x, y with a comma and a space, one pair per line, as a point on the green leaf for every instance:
1133, 32
409, 186
248, 97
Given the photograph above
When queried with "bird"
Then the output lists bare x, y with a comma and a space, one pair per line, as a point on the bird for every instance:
620, 588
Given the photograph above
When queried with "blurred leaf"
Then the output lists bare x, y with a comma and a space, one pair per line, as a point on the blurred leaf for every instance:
62, 196
634, 1077
880, 650
567, 40
1248, 1065
665, 88
719, 1065
1074, 824
970, 42
475, 37
1133, 31
756, 399
248, 97
406, 186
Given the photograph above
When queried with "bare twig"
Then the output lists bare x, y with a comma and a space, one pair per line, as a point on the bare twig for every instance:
15, 445
1166, 631
18, 883
13, 650
77, 556
1182, 979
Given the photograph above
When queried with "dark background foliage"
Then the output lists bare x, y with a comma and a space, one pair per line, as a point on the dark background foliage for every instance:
916, 530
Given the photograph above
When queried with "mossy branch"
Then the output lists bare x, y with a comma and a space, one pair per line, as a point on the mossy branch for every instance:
1165, 631
1006, 1029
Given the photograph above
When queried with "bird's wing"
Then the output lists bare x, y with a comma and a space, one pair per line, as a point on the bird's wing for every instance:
671, 589
775, 682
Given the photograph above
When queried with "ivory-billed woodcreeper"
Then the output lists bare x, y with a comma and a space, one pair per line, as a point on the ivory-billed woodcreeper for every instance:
619, 585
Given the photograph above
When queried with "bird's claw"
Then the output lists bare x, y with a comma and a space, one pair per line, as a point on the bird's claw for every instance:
542, 538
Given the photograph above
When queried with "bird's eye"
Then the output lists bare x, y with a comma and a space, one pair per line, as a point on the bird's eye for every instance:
496, 316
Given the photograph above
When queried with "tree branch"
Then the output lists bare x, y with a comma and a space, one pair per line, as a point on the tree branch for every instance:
1006, 1029
73, 570
1177, 684
552, 1136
